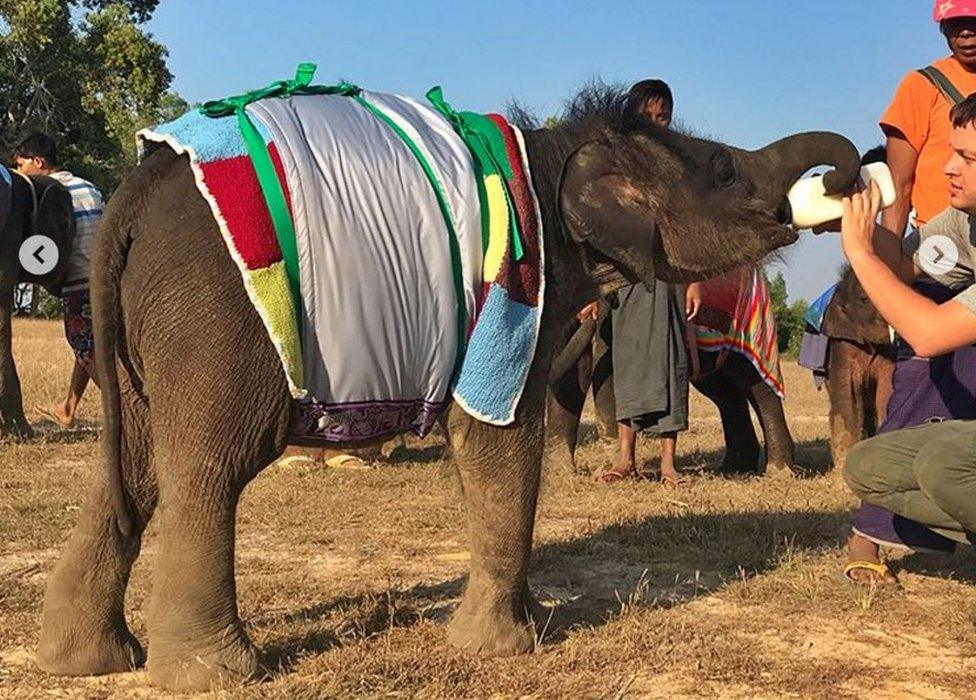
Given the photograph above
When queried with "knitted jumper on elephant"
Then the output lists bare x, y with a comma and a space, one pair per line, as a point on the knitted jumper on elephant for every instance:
409, 231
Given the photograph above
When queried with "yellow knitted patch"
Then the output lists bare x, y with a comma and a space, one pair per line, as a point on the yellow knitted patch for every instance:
498, 225
270, 292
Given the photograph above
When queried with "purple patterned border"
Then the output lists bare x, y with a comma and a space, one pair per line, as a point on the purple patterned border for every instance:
362, 421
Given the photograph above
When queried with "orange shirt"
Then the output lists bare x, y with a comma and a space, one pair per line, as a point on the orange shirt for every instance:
921, 113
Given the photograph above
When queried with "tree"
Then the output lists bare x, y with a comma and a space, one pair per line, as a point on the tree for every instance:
86, 72
789, 317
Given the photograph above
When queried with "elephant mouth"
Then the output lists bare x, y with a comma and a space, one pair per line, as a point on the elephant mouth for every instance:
784, 212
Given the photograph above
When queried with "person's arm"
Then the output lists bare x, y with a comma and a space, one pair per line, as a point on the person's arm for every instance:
931, 329
693, 300
888, 246
902, 158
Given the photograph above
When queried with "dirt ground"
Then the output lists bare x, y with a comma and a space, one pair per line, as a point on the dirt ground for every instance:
346, 578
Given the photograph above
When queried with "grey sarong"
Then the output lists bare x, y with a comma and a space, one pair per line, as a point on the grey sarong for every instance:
650, 360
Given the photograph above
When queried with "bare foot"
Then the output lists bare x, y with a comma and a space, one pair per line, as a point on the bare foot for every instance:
56, 414
864, 565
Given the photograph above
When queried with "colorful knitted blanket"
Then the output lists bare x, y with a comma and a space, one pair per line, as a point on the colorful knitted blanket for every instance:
815, 314
744, 322
393, 249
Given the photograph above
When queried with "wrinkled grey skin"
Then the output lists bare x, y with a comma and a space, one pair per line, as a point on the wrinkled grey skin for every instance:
192, 414
55, 217
733, 388
860, 367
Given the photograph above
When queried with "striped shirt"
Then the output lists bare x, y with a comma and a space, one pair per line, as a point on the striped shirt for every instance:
87, 203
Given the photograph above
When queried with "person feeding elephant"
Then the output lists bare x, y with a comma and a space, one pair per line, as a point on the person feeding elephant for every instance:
37, 154
918, 129
926, 473
650, 357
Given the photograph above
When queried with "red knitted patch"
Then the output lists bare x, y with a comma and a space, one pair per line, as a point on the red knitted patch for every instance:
520, 279
235, 186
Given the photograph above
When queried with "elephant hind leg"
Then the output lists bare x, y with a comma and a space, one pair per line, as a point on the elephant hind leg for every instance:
499, 469
83, 628
780, 451
212, 433
742, 447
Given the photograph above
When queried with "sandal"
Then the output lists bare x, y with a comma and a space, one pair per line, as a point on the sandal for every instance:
348, 462
672, 482
612, 476
880, 569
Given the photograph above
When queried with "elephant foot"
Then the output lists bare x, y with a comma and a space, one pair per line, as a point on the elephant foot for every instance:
738, 466
78, 654
18, 431
782, 469
559, 459
491, 626
181, 667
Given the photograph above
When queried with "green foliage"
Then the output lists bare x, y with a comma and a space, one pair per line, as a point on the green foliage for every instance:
789, 317
138, 10
49, 305
86, 72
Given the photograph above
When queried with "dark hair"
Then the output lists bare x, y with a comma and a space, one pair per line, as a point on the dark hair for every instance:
964, 113
878, 154
37, 144
643, 92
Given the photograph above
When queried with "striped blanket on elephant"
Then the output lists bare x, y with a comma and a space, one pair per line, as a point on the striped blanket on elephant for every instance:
737, 316
392, 248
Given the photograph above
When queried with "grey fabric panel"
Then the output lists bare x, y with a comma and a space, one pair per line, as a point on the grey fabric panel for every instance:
650, 360
365, 210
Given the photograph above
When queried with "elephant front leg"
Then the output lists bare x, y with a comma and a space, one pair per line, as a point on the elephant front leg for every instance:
196, 639
13, 422
83, 630
499, 471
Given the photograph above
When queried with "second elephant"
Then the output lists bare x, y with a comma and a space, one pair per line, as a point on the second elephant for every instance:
727, 378
859, 366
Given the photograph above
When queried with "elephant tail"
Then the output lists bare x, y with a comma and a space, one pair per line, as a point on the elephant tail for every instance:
108, 262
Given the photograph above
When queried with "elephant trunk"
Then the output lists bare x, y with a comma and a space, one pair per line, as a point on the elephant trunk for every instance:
577, 345
787, 159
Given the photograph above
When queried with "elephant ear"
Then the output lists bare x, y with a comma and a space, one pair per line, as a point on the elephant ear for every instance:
850, 315
603, 208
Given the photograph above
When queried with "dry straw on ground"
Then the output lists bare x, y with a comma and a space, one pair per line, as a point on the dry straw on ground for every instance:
727, 588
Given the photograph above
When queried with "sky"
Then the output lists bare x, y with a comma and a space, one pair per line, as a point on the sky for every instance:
745, 72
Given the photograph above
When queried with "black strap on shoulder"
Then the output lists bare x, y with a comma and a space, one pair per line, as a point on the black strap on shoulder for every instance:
942, 84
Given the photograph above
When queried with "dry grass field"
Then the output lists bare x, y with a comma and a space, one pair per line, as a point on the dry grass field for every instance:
721, 588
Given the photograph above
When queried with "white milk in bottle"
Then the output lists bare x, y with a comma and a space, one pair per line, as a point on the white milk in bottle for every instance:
812, 206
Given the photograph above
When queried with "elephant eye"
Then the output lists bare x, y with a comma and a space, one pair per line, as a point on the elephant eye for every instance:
723, 169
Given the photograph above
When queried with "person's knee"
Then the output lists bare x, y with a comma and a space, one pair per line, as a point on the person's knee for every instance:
861, 469
943, 471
